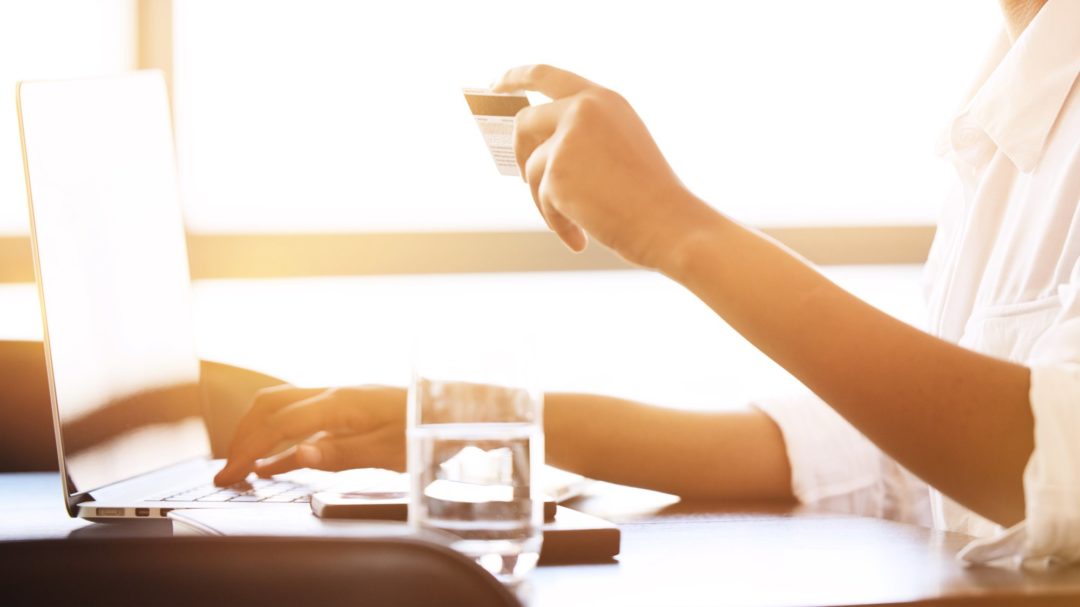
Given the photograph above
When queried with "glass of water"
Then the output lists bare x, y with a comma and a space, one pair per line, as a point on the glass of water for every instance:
476, 449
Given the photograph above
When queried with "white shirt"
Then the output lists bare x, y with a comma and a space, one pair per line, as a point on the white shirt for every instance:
1003, 278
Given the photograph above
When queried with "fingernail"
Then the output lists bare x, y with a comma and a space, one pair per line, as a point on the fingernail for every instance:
310, 455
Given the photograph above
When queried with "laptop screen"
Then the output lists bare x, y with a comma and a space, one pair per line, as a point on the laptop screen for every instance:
113, 276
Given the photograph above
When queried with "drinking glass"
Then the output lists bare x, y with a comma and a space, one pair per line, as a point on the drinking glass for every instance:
476, 449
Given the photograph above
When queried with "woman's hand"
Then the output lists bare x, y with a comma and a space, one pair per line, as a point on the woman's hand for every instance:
593, 167
341, 428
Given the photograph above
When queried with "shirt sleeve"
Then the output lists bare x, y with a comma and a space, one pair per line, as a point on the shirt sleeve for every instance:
1050, 532
837, 468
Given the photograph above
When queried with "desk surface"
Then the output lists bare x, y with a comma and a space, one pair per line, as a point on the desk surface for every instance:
708, 554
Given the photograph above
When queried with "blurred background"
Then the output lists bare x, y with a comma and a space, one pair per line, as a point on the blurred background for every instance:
339, 198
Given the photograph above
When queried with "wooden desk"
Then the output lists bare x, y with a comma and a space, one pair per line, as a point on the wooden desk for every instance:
704, 554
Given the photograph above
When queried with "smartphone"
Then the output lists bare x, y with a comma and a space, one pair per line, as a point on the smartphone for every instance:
378, 505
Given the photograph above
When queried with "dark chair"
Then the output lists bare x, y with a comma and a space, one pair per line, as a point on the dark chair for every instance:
238, 571
27, 439
27, 442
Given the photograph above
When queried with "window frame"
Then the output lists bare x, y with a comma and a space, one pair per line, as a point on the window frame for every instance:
280, 255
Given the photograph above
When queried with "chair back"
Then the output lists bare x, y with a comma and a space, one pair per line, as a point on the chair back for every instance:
257, 571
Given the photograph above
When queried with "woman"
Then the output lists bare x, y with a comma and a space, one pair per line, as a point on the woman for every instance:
986, 410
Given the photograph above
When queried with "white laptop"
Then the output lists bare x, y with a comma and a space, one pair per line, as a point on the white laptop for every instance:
112, 269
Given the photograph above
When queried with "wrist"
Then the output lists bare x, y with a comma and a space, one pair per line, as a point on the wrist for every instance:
696, 238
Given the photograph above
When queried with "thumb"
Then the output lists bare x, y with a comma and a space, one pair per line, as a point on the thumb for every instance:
383, 448
304, 455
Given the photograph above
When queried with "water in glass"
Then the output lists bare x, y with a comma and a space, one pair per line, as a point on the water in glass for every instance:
476, 481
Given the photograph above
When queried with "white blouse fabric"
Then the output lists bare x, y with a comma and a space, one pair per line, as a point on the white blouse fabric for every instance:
1002, 278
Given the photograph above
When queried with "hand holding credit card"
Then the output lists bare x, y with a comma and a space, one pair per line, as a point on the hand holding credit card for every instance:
494, 114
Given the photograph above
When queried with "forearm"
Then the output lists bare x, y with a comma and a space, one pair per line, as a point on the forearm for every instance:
958, 419
714, 455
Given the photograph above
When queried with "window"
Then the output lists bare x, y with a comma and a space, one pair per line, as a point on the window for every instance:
44, 39
347, 116
339, 116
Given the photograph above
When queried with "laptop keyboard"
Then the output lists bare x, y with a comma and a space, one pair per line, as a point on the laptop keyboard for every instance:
258, 490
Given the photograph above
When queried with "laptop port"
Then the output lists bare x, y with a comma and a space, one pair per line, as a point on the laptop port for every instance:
109, 511
164, 511
142, 512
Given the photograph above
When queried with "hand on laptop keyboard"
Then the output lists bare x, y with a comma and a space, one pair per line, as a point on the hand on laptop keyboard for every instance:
340, 428
258, 490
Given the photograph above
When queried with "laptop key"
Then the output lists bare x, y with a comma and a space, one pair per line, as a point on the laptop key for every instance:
279, 499
257, 490
267, 493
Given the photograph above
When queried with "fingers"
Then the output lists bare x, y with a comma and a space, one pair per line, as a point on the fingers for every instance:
268, 427
533, 173
535, 170
304, 455
358, 411
550, 81
267, 402
534, 125
383, 448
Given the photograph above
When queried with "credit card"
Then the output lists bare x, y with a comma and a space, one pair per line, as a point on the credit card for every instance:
494, 114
